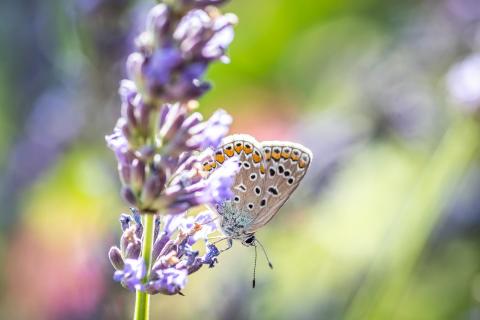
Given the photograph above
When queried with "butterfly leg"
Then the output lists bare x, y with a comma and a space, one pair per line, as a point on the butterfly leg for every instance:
229, 245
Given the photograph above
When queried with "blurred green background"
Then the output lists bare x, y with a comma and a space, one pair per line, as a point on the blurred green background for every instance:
385, 225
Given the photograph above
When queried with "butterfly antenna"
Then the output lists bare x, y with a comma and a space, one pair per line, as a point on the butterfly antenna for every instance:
265, 253
254, 267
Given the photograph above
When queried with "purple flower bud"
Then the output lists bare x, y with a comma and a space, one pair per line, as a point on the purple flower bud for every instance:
127, 91
156, 229
128, 112
182, 133
153, 187
158, 20
168, 281
144, 112
158, 245
116, 258
202, 36
128, 237
157, 69
125, 221
129, 195
220, 182
133, 250
146, 153
118, 143
137, 174
211, 255
202, 3
138, 223
132, 274
210, 134
124, 173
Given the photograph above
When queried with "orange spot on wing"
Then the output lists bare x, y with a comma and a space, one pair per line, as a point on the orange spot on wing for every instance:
256, 157
247, 149
286, 153
295, 155
276, 155
228, 150
238, 147
302, 163
219, 157
262, 169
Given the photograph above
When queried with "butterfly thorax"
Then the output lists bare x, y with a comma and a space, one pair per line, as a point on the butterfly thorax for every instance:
234, 220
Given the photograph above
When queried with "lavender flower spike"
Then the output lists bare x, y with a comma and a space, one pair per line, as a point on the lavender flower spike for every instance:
161, 145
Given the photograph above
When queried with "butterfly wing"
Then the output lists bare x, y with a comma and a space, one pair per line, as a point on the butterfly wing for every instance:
269, 172
286, 164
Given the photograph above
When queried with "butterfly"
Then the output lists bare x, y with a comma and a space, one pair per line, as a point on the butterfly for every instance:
270, 171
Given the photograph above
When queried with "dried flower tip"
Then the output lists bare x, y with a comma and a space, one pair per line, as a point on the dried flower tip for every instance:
173, 260
197, 227
192, 105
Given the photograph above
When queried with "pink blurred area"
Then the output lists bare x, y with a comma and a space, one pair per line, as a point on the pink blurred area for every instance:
53, 280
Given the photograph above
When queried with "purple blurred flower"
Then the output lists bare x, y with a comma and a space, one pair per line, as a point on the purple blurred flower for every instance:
132, 274
463, 82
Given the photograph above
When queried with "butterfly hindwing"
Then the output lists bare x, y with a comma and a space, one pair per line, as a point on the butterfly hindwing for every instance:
286, 164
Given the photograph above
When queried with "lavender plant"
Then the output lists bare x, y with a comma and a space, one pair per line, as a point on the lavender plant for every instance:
161, 143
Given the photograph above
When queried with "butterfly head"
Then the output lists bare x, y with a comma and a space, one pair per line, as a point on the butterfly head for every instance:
249, 241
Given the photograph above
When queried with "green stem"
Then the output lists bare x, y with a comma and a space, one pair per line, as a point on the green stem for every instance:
142, 301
